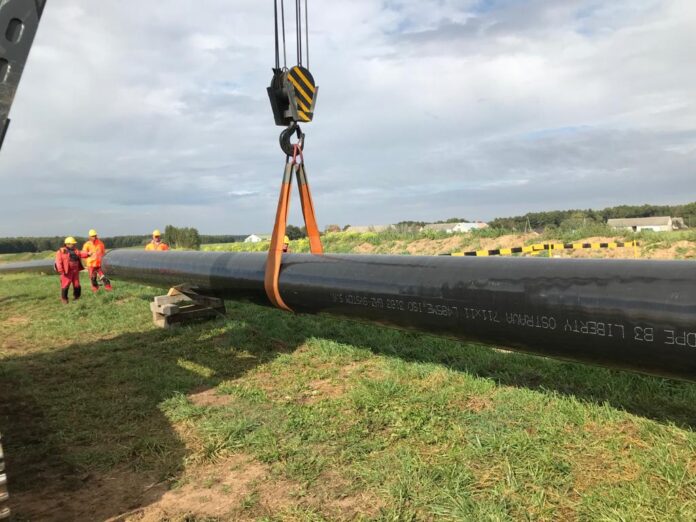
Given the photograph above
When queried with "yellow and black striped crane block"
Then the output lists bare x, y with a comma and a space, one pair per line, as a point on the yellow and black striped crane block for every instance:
538, 248
293, 95
302, 93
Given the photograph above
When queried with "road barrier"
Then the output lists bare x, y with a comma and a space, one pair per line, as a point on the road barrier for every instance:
538, 248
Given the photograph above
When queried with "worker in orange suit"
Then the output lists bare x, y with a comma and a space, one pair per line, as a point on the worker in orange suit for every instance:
96, 247
157, 243
69, 265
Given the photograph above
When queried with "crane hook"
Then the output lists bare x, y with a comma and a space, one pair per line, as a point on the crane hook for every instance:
285, 144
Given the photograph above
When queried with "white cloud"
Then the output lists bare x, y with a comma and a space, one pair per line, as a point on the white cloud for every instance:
466, 108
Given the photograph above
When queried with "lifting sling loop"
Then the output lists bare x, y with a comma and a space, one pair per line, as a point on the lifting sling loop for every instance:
293, 164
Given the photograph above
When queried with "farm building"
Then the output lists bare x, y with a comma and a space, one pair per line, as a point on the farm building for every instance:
656, 224
368, 228
452, 228
253, 238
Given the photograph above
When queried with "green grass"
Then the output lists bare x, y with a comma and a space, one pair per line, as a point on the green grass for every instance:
358, 421
26, 256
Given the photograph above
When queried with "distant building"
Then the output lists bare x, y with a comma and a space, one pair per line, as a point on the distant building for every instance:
656, 224
368, 228
468, 227
253, 238
452, 228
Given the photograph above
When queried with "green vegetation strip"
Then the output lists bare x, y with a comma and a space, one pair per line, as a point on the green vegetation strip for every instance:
363, 422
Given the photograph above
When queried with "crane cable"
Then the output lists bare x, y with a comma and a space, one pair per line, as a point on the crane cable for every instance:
294, 163
302, 48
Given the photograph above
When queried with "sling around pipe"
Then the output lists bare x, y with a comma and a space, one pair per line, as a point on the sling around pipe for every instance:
633, 315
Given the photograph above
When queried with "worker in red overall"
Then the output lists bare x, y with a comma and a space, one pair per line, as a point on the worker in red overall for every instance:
96, 247
69, 265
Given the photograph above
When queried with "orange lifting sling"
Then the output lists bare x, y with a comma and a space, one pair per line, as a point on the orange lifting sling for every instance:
294, 163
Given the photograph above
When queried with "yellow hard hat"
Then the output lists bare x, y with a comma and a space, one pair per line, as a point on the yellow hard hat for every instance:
92, 233
70, 241
156, 233
286, 240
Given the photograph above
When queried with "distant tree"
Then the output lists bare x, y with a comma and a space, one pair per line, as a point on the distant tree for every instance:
454, 220
576, 221
332, 228
225, 238
557, 218
346, 227
409, 226
186, 238
294, 232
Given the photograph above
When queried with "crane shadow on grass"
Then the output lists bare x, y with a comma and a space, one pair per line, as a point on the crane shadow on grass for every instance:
83, 428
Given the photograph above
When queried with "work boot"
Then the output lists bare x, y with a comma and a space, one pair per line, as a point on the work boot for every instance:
77, 292
108, 287
64, 295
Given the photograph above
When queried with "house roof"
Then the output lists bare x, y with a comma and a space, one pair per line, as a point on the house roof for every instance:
368, 228
470, 226
440, 227
657, 221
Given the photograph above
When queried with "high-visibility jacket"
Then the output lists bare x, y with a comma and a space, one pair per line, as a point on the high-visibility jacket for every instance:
97, 248
157, 245
69, 260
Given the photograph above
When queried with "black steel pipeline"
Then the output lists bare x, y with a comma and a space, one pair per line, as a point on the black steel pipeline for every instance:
634, 315
41, 266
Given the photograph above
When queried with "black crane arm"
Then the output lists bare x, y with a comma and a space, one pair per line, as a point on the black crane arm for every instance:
19, 21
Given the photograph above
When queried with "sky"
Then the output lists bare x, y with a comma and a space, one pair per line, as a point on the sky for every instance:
131, 115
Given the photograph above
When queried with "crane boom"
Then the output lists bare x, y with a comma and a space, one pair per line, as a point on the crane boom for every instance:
19, 21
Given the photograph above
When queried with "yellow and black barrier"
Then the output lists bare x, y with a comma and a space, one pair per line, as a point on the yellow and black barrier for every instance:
538, 248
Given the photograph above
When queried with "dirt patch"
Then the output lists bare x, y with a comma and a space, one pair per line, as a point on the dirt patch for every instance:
364, 248
240, 488
431, 247
209, 398
338, 496
86, 497
17, 320
680, 249
322, 389
479, 404
595, 466
237, 488
509, 241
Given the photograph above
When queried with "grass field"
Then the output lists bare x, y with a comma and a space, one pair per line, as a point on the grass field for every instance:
263, 415
26, 256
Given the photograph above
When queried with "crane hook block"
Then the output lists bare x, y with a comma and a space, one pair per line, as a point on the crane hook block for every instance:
293, 95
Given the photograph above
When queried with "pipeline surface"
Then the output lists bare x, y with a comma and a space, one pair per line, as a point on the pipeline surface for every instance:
41, 266
627, 314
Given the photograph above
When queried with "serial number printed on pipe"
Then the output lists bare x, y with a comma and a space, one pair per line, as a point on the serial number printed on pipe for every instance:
403, 305
594, 328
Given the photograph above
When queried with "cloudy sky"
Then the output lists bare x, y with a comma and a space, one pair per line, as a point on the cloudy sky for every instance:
131, 115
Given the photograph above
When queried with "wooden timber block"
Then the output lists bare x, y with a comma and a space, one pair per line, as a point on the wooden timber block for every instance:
162, 300
168, 309
177, 308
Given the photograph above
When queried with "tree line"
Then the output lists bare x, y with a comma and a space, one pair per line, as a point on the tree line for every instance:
574, 218
189, 238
